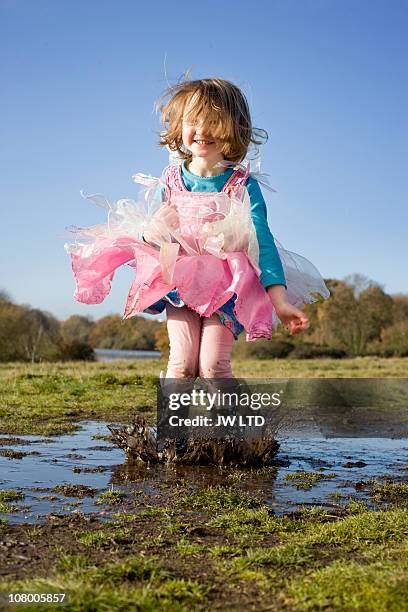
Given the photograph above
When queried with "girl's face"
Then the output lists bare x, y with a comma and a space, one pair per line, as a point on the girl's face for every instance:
198, 138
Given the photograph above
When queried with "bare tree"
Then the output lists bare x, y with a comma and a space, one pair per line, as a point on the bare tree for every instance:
359, 283
5, 296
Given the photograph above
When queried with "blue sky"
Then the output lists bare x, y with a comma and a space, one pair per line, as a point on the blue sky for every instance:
326, 78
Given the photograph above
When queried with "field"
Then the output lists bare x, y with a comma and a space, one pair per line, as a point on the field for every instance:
127, 537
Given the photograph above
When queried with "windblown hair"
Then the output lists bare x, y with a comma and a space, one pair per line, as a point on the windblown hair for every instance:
222, 107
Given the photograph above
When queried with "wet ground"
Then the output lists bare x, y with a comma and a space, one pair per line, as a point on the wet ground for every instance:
85, 473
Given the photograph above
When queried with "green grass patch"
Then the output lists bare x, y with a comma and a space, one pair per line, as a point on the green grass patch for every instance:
187, 549
11, 495
111, 497
348, 585
288, 555
394, 492
135, 583
215, 498
306, 480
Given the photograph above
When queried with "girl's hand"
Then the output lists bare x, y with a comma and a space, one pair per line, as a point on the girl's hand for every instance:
163, 220
168, 215
294, 319
233, 239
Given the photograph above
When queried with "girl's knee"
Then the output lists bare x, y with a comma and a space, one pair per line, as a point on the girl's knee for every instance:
181, 369
211, 368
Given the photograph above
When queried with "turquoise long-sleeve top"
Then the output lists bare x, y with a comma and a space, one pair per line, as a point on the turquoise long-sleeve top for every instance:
269, 261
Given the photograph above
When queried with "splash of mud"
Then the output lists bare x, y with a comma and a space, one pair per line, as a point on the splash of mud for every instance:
140, 442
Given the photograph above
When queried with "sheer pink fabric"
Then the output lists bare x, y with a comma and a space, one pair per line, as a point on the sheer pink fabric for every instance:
212, 255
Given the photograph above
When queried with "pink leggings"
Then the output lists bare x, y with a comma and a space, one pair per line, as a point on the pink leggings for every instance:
199, 346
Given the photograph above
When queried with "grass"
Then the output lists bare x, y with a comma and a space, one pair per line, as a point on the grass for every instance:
215, 498
306, 480
346, 585
111, 497
11, 495
132, 584
391, 492
310, 560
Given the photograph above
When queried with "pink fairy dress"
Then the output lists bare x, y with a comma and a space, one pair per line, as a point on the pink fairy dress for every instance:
215, 265
211, 256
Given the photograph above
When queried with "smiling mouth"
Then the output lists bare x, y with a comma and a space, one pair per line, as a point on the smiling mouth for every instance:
203, 142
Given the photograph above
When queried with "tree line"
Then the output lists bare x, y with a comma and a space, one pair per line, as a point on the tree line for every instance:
31, 334
358, 319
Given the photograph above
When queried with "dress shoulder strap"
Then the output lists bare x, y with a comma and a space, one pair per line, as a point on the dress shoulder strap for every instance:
237, 180
172, 179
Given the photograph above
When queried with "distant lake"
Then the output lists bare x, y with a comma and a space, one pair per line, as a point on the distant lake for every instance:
103, 354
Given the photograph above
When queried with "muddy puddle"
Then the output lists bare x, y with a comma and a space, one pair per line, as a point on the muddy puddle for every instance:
85, 473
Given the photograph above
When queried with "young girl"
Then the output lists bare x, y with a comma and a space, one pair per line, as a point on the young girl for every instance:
202, 250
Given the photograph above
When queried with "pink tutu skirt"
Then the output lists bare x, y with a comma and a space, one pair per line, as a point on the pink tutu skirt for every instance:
211, 257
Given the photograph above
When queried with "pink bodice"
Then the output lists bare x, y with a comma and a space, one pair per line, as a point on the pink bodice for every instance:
195, 209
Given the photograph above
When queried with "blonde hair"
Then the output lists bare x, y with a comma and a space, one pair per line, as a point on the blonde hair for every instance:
219, 103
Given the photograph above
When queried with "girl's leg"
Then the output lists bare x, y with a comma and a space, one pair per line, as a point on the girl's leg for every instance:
215, 349
215, 363
184, 329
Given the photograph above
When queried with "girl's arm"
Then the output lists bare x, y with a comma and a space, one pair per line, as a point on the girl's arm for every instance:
269, 261
272, 274
277, 293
